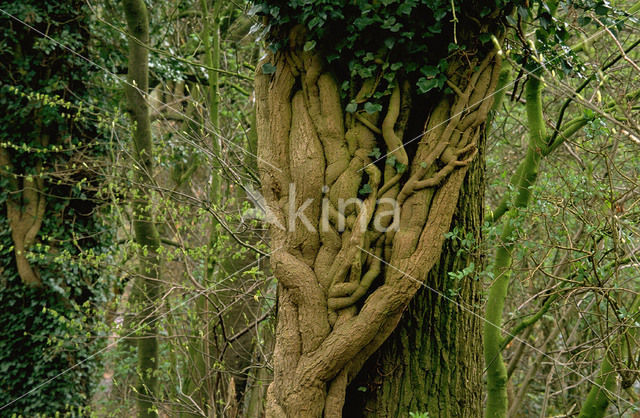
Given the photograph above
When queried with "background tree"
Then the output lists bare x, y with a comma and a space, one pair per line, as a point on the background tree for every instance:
52, 233
543, 57
146, 233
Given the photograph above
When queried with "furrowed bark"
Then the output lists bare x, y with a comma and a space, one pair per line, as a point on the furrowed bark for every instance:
431, 362
343, 286
146, 233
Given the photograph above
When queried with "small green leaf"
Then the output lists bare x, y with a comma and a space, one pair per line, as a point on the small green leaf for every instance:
584, 20
391, 160
268, 68
309, 45
389, 42
352, 107
429, 71
425, 85
366, 189
314, 22
375, 153
372, 107
423, 164
523, 12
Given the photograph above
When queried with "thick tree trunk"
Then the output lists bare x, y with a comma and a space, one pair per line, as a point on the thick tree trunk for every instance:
433, 360
343, 290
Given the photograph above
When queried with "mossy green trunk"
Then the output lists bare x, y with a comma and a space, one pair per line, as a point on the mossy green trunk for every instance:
146, 233
432, 361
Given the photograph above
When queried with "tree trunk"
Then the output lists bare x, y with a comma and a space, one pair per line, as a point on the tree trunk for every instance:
433, 360
146, 233
344, 284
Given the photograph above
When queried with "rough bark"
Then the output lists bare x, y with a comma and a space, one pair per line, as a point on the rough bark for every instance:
343, 291
432, 361
146, 233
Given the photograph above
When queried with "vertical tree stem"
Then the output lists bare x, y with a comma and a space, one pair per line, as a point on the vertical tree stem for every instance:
496, 370
145, 229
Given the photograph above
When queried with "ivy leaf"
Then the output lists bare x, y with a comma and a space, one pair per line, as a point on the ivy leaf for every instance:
372, 107
425, 85
401, 168
545, 21
268, 68
352, 107
584, 20
314, 22
484, 37
429, 71
366, 189
309, 45
602, 9
391, 160
405, 8
523, 12
389, 42
423, 164
375, 153
439, 14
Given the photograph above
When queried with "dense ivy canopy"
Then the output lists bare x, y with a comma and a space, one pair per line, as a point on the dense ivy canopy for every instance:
390, 38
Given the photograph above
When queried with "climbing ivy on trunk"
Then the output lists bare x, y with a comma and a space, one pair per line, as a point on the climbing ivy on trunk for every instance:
379, 105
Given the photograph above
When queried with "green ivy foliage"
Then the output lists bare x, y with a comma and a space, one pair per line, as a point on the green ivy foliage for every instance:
411, 39
45, 331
